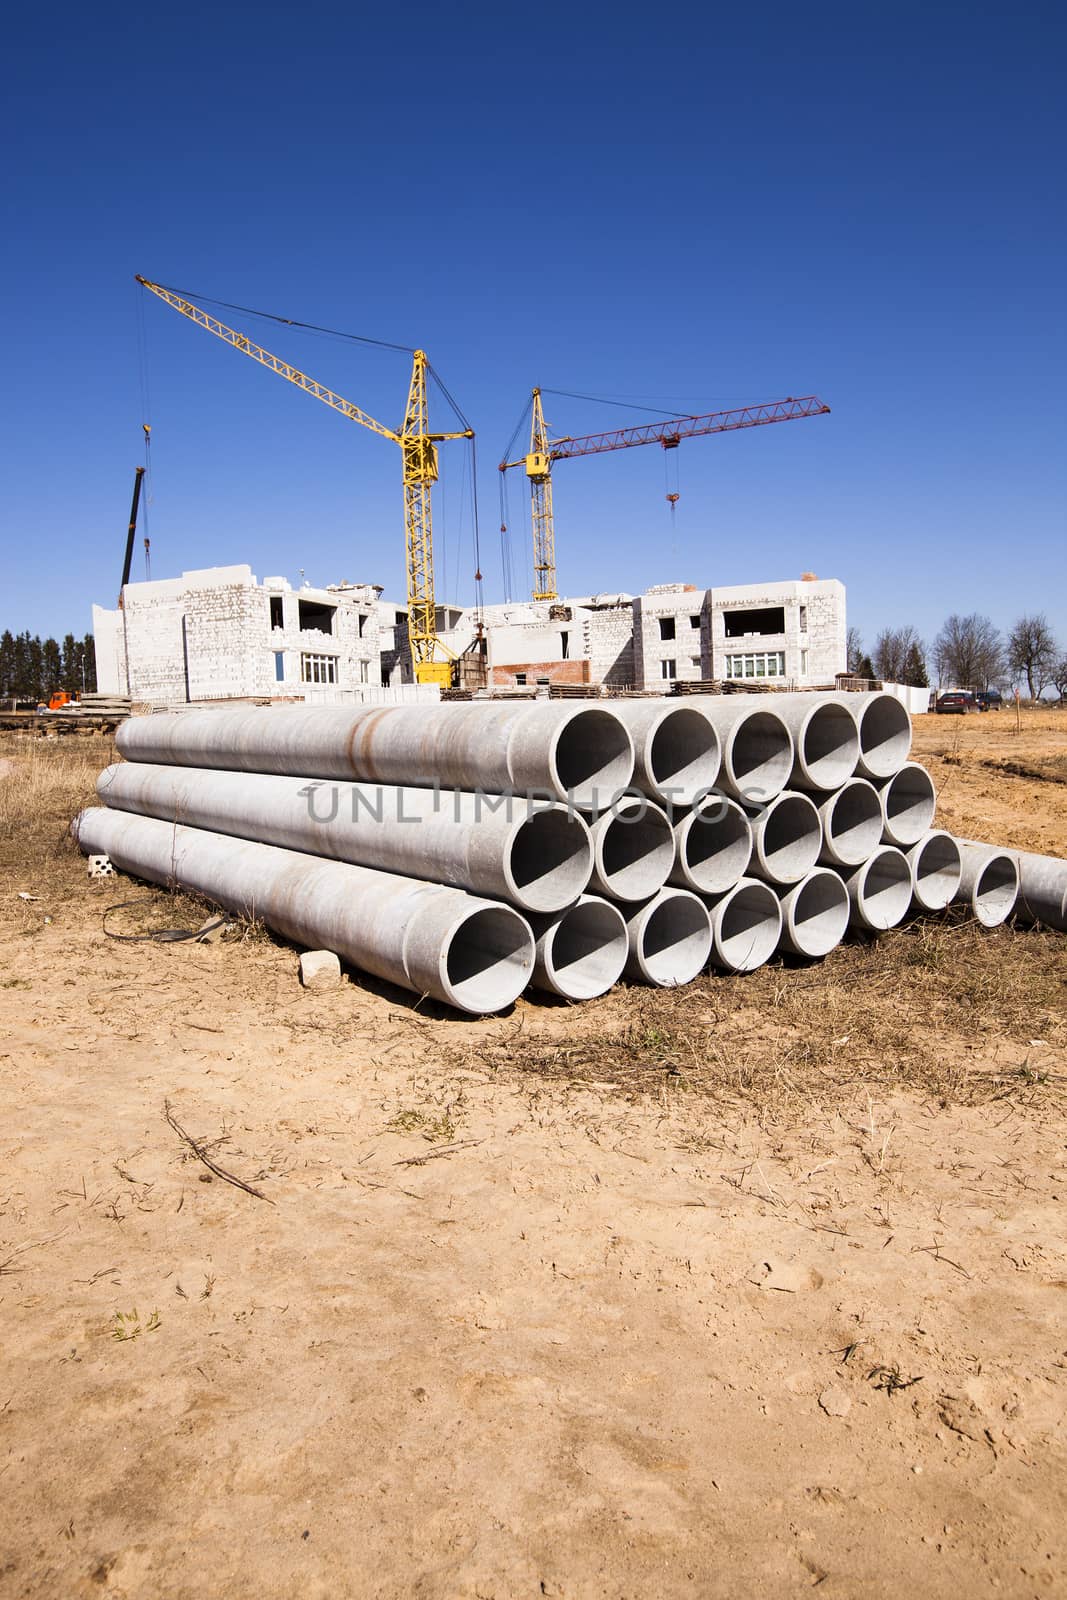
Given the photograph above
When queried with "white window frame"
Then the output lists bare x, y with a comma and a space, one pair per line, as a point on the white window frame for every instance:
668, 669
756, 664
317, 669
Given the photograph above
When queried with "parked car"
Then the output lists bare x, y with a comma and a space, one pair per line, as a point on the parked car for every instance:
955, 703
988, 699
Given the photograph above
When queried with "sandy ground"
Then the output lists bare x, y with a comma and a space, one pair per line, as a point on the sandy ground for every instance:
751, 1289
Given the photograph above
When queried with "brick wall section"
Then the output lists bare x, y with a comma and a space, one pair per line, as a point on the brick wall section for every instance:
575, 672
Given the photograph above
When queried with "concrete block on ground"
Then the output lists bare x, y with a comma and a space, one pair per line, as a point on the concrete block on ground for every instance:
100, 867
320, 969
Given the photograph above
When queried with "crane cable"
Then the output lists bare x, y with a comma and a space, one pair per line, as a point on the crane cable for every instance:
289, 322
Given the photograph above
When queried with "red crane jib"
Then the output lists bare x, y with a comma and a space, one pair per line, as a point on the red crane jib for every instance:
671, 432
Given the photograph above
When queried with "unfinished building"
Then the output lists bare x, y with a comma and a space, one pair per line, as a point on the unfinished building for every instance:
220, 634
789, 634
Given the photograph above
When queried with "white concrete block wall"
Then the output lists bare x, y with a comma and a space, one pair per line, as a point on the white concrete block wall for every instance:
676, 609
210, 635
811, 640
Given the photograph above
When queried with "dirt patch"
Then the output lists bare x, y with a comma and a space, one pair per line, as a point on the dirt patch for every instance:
752, 1287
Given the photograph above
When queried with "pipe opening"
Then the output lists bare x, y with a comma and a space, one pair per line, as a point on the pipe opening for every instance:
936, 870
908, 802
489, 960
853, 822
829, 746
635, 857
675, 940
549, 860
884, 890
995, 891
586, 951
593, 758
747, 926
885, 736
818, 914
789, 841
759, 755
684, 755
714, 846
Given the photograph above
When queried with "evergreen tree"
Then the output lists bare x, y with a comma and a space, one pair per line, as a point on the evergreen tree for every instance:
7, 663
864, 668
51, 668
915, 668
87, 673
71, 676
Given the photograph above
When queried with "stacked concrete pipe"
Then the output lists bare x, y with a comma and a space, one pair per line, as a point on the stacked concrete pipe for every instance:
474, 954
580, 753
557, 843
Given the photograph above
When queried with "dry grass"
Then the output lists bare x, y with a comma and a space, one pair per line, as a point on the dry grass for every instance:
942, 1007
49, 782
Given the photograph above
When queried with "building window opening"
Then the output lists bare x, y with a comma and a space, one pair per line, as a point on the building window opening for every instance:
361, 621
764, 619
277, 617
520, 680
565, 643
666, 627
668, 670
761, 664
694, 622
364, 672
803, 619
318, 669
315, 617
279, 666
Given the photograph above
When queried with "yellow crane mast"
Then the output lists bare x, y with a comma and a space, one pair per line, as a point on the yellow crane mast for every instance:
539, 471
419, 456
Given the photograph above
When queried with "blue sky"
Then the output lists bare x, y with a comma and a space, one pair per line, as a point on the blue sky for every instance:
693, 208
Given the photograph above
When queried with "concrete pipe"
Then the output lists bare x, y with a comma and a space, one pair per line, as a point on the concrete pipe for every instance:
989, 882
1042, 889
935, 870
536, 854
633, 850
713, 846
909, 801
879, 890
566, 750
825, 732
786, 838
676, 749
746, 925
669, 939
580, 954
852, 824
814, 914
885, 735
473, 954
757, 748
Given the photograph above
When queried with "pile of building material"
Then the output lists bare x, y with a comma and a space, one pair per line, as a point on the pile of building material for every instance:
465, 850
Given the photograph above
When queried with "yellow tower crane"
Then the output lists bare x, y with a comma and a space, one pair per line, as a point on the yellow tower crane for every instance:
419, 455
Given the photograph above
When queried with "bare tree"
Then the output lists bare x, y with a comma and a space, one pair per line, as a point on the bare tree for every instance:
1032, 653
1058, 676
853, 650
968, 653
892, 650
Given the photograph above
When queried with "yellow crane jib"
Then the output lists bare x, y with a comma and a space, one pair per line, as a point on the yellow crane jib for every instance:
419, 458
